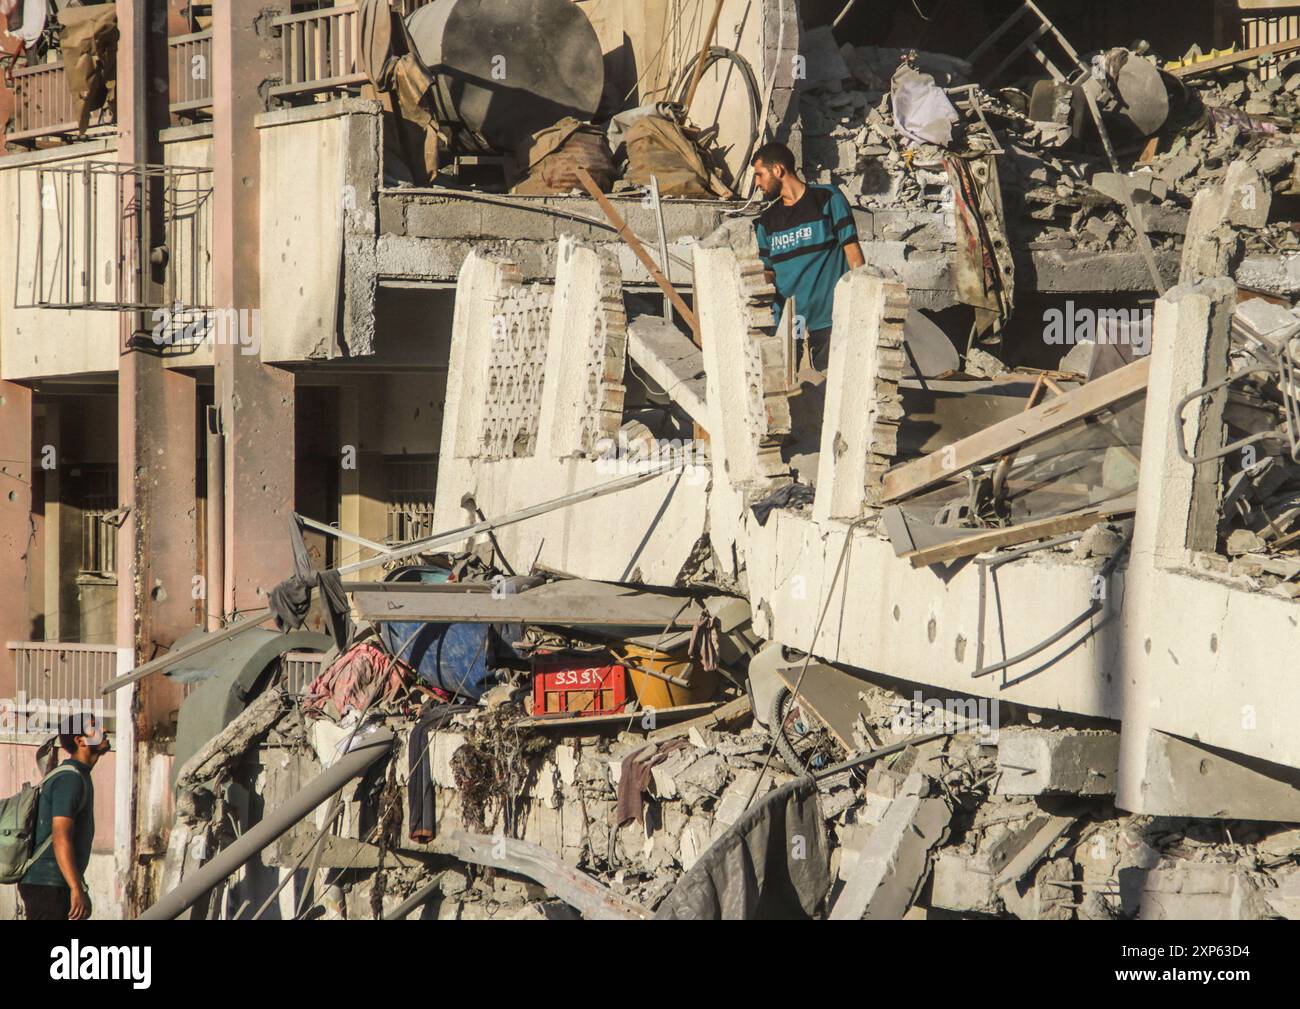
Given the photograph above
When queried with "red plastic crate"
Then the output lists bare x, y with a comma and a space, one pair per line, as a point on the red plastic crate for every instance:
571, 685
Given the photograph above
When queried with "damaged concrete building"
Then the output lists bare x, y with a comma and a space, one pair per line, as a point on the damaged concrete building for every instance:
447, 526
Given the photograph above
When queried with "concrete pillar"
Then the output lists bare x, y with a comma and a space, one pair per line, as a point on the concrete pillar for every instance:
588, 324
156, 549
157, 558
363, 506
257, 401
16, 527
1177, 506
481, 287
1184, 778
746, 367
863, 406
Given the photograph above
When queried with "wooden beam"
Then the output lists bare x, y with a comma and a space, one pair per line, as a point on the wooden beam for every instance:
1015, 431
1012, 536
704, 51
627, 720
634, 243
1218, 62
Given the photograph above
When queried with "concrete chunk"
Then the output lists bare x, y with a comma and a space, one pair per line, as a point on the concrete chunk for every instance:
1203, 892
960, 884
893, 862
1249, 197
1186, 779
1046, 761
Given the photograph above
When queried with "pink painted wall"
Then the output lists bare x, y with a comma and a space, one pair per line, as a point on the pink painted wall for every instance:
18, 765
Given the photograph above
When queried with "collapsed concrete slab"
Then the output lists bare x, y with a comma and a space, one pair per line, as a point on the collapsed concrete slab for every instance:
1043, 761
892, 864
1186, 779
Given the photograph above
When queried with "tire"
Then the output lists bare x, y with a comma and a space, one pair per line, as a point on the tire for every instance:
781, 703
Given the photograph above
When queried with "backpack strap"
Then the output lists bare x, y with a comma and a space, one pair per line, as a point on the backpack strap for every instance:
44, 846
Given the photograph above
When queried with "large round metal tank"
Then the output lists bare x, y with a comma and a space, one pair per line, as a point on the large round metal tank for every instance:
505, 69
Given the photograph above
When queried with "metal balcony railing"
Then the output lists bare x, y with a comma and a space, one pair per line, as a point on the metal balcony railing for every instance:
320, 48
299, 669
43, 105
190, 76
56, 675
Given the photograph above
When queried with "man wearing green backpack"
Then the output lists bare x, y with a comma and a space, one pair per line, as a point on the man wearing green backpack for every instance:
54, 887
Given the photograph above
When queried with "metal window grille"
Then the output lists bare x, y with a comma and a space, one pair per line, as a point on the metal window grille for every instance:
411, 482
89, 249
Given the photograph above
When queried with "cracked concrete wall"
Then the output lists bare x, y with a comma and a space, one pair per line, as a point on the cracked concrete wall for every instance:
863, 406
646, 532
582, 398
319, 222
1202, 657
745, 362
885, 616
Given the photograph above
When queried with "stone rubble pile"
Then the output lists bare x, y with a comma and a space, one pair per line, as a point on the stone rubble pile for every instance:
1053, 201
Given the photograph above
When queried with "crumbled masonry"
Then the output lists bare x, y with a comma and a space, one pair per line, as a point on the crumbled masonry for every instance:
434, 482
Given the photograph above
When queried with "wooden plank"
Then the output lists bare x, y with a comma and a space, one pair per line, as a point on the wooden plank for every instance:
634, 243
245, 623
629, 720
1233, 58
561, 603
1015, 431
722, 716
1012, 536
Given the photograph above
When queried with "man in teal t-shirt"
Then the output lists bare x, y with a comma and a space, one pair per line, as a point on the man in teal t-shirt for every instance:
807, 240
54, 887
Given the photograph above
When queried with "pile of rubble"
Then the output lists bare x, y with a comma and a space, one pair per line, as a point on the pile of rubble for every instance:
954, 818
1060, 193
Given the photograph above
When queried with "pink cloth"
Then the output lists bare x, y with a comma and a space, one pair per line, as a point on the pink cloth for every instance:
351, 679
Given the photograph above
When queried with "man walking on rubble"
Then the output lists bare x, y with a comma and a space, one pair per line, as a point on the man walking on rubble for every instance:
54, 887
807, 240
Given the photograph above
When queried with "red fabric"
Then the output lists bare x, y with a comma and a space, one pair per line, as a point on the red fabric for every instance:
351, 680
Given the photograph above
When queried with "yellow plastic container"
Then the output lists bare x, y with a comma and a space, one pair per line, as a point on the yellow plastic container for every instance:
653, 692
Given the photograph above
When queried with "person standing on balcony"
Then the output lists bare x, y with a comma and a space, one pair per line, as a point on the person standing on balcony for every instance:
807, 240
54, 887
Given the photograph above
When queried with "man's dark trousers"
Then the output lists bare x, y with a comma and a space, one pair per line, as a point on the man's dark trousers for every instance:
45, 903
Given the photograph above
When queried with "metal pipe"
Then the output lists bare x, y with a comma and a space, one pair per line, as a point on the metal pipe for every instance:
329, 530
884, 751
214, 593
465, 532
415, 900
351, 765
